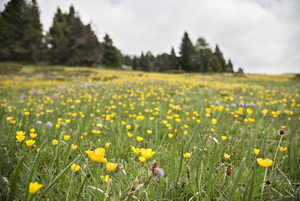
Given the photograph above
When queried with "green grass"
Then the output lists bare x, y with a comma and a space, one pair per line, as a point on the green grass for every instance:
115, 99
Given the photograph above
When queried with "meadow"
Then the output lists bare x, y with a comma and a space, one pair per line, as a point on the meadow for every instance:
82, 134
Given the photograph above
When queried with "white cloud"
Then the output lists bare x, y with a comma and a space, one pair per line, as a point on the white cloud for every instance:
259, 35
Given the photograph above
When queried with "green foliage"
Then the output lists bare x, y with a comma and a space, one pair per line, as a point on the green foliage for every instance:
111, 55
187, 54
135, 63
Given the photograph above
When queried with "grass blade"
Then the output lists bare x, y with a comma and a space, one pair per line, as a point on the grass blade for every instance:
13, 186
57, 178
237, 179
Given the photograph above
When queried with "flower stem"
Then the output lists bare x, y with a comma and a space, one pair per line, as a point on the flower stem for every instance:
263, 186
70, 185
276, 155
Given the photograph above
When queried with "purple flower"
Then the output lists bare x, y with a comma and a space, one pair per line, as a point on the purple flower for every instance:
217, 103
241, 104
159, 171
49, 124
248, 105
252, 104
38, 123
63, 124
233, 105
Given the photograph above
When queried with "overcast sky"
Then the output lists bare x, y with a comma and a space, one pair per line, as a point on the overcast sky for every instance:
261, 36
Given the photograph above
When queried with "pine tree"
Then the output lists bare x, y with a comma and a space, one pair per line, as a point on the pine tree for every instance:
229, 67
203, 52
111, 56
144, 63
33, 34
11, 31
58, 40
134, 63
219, 55
187, 53
173, 61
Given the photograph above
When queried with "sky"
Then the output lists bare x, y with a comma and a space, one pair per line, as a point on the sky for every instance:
261, 36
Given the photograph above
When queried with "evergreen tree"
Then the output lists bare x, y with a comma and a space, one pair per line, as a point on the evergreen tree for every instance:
134, 63
33, 34
219, 55
111, 56
150, 59
173, 61
203, 52
229, 67
240, 70
58, 39
126, 60
187, 53
144, 63
11, 31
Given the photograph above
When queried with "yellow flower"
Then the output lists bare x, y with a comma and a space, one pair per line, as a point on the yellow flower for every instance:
66, 137
107, 145
26, 113
139, 138
136, 150
73, 147
142, 159
20, 138
38, 149
33, 135
75, 167
105, 178
34, 187
256, 151
111, 166
185, 132
55, 142
147, 153
123, 123
282, 148
128, 126
32, 130
170, 135
67, 121
13, 122
214, 121
129, 134
187, 155
149, 132
98, 155
264, 162
20, 133
224, 138
151, 118
226, 156
29, 142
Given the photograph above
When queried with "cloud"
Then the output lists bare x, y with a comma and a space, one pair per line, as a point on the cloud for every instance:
259, 35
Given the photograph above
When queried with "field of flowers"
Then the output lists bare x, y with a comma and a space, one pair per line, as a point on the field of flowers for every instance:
113, 135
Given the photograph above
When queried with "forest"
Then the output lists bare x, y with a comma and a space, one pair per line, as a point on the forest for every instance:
70, 42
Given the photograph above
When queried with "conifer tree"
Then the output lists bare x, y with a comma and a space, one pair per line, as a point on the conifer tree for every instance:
173, 61
144, 63
229, 67
187, 53
111, 56
134, 63
11, 31
203, 52
33, 34
222, 64
58, 40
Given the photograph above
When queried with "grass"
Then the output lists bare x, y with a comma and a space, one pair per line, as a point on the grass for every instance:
95, 110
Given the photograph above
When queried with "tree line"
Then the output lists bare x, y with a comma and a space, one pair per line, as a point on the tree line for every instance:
72, 43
